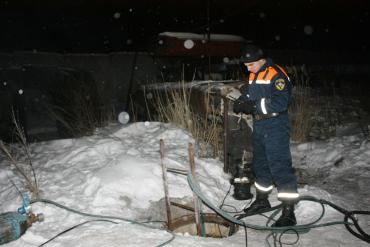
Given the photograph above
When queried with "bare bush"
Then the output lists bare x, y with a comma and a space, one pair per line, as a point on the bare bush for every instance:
25, 168
174, 106
301, 109
78, 110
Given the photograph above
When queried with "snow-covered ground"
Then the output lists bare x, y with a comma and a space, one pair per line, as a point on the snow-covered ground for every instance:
117, 172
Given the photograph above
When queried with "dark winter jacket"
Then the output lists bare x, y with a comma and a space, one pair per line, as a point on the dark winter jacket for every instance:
270, 88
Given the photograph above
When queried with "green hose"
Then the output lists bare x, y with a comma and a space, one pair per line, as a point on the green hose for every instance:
103, 217
298, 228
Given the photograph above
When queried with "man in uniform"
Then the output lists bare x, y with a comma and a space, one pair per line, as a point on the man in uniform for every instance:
267, 98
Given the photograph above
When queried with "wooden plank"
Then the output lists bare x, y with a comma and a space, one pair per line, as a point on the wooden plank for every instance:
226, 135
165, 185
196, 200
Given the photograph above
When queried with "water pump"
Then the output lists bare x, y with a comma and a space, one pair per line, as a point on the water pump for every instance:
14, 224
242, 179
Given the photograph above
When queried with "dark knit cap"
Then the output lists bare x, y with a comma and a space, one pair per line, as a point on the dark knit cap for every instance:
251, 53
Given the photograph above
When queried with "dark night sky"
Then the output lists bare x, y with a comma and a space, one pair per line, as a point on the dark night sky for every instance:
112, 25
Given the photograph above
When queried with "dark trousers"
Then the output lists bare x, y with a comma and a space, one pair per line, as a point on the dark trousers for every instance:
272, 160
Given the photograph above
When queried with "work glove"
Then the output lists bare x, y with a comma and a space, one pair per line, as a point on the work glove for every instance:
244, 105
244, 88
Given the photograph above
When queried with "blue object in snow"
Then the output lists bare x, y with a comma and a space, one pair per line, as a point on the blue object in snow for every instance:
12, 226
24, 210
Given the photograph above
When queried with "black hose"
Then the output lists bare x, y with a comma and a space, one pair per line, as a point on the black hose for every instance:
351, 215
73, 227
348, 215
106, 217
361, 235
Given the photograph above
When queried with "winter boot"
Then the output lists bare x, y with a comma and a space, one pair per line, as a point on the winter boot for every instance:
260, 205
287, 217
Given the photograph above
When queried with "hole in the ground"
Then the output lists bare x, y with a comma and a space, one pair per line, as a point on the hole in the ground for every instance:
213, 226
183, 219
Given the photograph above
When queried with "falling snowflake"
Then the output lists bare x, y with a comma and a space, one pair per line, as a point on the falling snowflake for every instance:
226, 60
222, 20
262, 15
5, 83
20, 91
128, 42
130, 10
117, 15
277, 37
188, 44
149, 95
123, 117
308, 29
160, 42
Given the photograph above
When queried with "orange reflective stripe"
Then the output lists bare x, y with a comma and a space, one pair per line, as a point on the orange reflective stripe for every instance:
266, 75
283, 70
251, 77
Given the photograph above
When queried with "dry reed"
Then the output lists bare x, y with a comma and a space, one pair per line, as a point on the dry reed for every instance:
25, 169
301, 109
174, 106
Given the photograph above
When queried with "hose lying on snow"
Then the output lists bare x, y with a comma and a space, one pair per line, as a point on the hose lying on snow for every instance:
98, 217
298, 228
348, 215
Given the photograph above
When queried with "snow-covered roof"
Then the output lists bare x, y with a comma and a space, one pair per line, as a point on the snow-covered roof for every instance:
195, 36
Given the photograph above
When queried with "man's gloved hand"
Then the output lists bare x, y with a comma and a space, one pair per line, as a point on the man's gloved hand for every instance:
244, 88
244, 105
